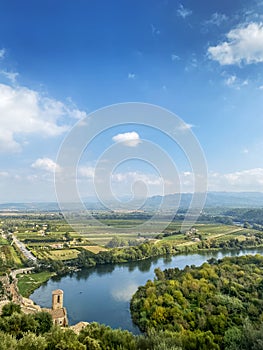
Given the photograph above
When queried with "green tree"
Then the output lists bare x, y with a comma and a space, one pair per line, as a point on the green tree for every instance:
31, 341
45, 322
7, 341
63, 340
10, 308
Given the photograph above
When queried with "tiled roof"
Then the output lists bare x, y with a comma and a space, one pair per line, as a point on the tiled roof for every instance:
59, 313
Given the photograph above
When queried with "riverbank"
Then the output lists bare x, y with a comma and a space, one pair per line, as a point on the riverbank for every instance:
28, 283
103, 293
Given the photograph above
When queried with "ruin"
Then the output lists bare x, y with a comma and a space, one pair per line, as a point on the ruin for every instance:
58, 312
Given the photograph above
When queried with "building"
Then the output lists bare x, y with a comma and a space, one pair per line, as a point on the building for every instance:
58, 312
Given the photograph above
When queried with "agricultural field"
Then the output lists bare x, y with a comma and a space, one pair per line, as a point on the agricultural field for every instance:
50, 237
9, 258
63, 254
94, 248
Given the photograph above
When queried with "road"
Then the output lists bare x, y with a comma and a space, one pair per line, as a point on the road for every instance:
23, 248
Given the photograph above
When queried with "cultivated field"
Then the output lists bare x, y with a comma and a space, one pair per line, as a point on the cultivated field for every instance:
50, 237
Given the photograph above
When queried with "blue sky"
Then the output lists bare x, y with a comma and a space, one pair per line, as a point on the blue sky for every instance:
61, 60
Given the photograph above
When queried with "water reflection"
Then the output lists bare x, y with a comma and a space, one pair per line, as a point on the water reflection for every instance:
102, 293
125, 292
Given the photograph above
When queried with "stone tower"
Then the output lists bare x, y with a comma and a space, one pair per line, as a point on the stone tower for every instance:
57, 299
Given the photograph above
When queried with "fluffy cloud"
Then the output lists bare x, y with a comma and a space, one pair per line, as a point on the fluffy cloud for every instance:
86, 171
24, 111
238, 181
46, 164
131, 139
246, 180
133, 176
244, 45
183, 12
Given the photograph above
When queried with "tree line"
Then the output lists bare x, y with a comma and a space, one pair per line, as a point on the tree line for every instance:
216, 306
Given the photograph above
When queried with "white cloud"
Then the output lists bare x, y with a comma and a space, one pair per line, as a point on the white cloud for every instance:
244, 45
75, 113
24, 111
238, 181
183, 12
131, 139
261, 87
131, 76
216, 19
175, 57
230, 80
133, 176
234, 82
86, 171
184, 126
155, 31
11, 76
2, 53
245, 180
46, 164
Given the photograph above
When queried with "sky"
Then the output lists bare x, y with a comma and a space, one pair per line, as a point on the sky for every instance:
62, 60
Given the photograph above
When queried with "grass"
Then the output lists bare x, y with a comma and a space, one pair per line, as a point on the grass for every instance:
29, 282
15, 257
3, 241
63, 254
94, 248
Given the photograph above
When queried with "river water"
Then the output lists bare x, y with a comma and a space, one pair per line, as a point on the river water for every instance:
102, 294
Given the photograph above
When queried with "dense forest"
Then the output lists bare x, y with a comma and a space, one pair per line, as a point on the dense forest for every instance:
19, 331
216, 306
250, 215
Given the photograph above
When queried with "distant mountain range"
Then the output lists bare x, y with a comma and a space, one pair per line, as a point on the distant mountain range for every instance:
213, 199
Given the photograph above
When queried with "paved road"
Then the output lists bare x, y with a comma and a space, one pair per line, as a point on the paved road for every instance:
23, 249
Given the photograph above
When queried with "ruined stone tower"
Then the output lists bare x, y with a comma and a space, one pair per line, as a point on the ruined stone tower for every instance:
57, 299
58, 312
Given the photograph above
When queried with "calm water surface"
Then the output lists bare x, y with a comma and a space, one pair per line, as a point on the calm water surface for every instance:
102, 294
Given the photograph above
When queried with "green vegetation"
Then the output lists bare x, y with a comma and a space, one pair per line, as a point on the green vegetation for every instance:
216, 306
59, 249
9, 258
19, 331
64, 254
213, 301
29, 282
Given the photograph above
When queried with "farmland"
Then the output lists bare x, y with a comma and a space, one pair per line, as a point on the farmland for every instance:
50, 238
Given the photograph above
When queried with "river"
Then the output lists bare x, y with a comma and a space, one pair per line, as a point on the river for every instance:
102, 294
